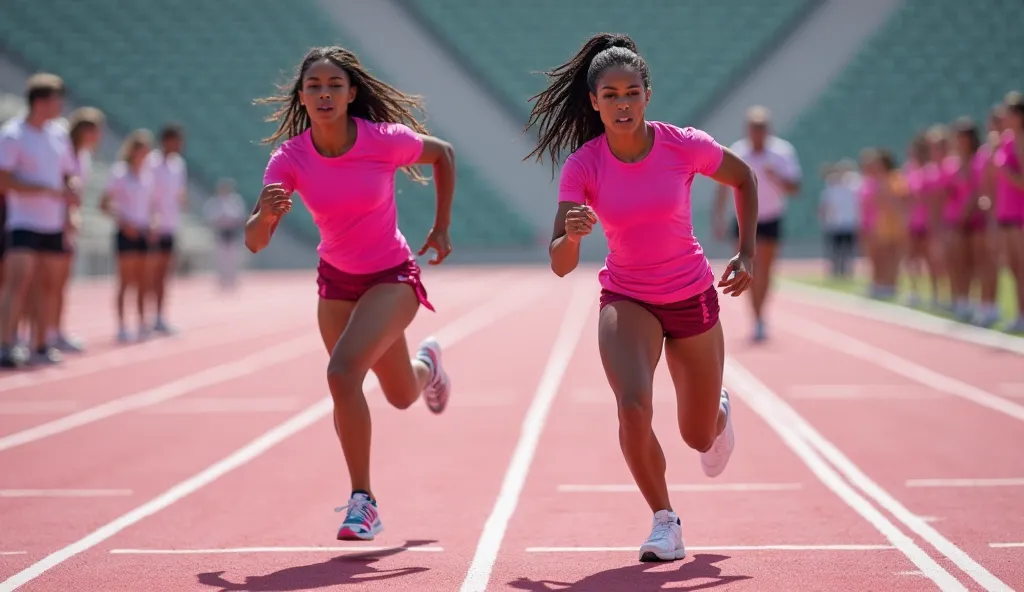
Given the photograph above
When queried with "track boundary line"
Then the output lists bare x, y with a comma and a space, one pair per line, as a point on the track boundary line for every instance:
708, 548
242, 550
476, 319
903, 316
795, 430
562, 351
817, 333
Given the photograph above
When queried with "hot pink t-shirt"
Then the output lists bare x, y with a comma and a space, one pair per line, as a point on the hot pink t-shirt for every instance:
917, 184
644, 208
963, 187
351, 197
1009, 197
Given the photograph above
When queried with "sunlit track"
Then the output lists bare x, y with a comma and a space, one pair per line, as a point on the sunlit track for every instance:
228, 482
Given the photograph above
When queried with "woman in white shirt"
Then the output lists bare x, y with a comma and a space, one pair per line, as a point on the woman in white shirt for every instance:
226, 213
128, 199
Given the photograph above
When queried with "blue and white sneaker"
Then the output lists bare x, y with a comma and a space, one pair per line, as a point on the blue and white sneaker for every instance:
439, 387
362, 521
713, 461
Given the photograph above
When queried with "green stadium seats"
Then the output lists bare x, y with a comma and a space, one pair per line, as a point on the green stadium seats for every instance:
933, 61
201, 63
696, 50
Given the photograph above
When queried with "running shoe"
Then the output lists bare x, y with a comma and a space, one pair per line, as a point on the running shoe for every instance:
362, 521
439, 387
713, 461
666, 540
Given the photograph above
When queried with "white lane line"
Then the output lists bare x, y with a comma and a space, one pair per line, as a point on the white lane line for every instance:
822, 335
221, 405
634, 548
682, 487
243, 550
859, 392
1006, 545
473, 321
811, 446
65, 492
565, 343
994, 482
221, 373
900, 315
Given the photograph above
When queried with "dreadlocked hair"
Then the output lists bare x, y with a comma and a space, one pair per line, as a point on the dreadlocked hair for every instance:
563, 113
375, 100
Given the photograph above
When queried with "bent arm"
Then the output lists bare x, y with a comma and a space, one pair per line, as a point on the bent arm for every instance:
563, 251
259, 229
441, 155
736, 173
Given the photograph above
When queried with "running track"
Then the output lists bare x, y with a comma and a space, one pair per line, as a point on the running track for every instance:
869, 456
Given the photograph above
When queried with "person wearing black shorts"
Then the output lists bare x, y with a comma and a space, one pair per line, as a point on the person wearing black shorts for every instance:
128, 199
38, 175
170, 197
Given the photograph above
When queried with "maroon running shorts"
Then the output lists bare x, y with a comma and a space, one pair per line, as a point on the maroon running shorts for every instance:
679, 320
334, 284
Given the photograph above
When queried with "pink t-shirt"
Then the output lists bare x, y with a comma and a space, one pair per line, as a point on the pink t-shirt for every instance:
868, 203
963, 187
1009, 197
644, 208
351, 197
918, 186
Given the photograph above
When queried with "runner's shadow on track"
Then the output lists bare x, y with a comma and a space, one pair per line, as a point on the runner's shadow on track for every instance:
349, 568
641, 577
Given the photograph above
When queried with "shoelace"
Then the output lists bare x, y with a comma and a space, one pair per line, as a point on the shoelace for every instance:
357, 507
662, 531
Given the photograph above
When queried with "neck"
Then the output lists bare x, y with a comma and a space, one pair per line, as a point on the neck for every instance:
36, 120
634, 146
333, 139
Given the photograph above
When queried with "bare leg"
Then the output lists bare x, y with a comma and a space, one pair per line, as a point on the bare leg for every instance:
630, 339
696, 364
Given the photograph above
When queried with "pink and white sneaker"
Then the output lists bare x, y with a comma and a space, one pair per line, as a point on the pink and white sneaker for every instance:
439, 387
713, 461
362, 521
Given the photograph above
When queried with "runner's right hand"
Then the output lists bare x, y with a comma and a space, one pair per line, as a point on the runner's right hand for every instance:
579, 222
274, 202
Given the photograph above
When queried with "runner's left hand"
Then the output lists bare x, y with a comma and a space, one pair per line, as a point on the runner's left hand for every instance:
438, 240
738, 275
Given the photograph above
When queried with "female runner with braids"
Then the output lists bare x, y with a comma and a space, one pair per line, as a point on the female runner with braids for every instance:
658, 289
346, 133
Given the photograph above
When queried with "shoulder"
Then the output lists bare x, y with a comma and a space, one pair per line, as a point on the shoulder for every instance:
585, 160
681, 136
781, 147
118, 170
384, 130
12, 129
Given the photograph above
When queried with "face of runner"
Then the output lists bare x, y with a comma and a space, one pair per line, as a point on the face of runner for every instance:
621, 100
326, 91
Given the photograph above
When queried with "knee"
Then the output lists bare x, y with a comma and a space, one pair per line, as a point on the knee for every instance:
635, 412
700, 439
345, 378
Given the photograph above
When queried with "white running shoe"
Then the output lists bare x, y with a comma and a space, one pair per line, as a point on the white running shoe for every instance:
666, 540
713, 461
439, 387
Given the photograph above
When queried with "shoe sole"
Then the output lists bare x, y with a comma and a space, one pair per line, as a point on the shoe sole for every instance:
347, 534
653, 557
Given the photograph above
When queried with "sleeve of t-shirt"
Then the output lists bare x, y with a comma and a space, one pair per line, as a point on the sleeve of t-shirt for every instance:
404, 146
572, 183
68, 162
791, 165
279, 170
704, 153
8, 152
114, 181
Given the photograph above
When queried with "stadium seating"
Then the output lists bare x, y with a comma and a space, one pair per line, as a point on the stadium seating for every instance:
933, 61
201, 63
695, 49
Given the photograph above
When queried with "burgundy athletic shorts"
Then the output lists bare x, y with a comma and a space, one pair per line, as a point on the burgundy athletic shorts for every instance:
679, 320
334, 284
